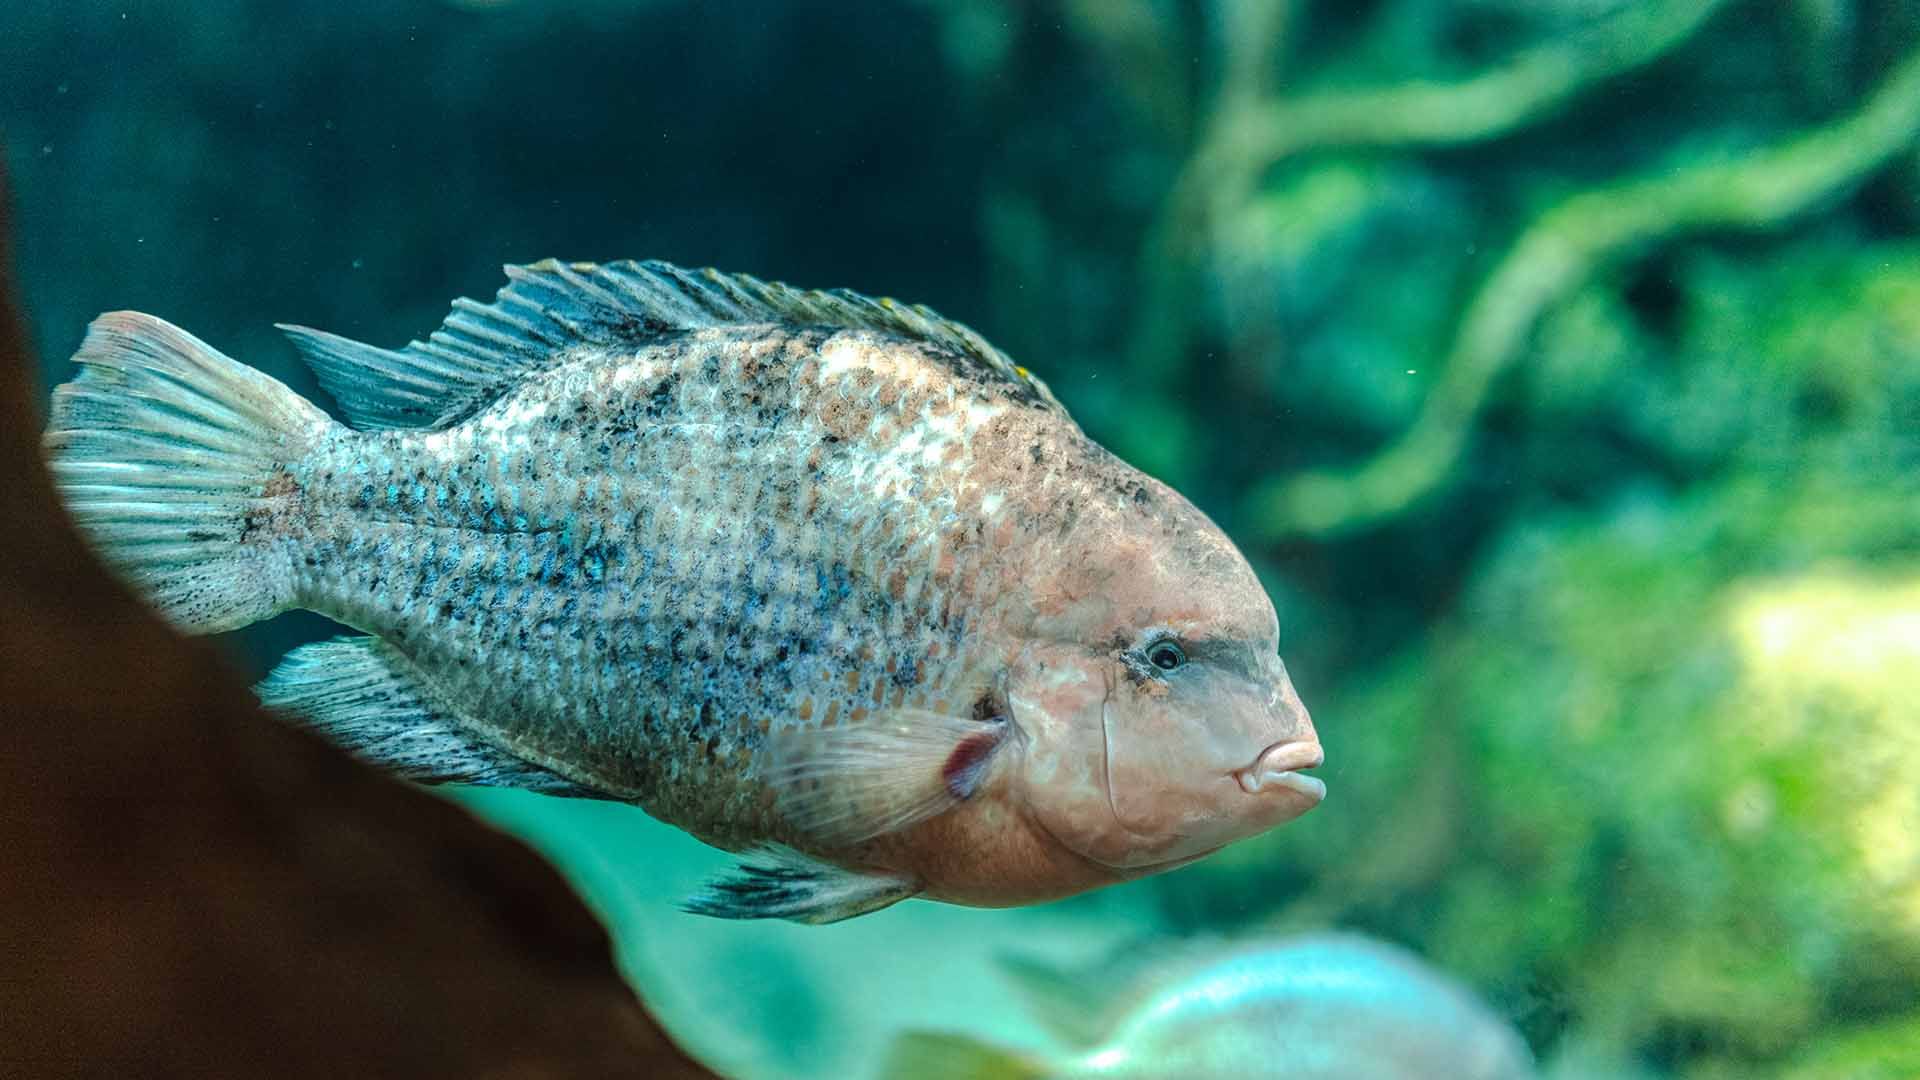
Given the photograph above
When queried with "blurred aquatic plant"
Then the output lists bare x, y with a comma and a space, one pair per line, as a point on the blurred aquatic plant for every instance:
1828, 664
1544, 380
1252, 128
1883, 1052
1554, 255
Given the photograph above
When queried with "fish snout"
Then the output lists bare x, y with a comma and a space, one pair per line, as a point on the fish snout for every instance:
1295, 723
1282, 767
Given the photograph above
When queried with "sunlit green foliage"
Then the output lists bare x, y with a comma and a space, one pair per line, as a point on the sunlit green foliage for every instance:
1561, 364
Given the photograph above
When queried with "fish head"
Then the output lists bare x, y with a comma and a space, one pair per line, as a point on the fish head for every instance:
1159, 721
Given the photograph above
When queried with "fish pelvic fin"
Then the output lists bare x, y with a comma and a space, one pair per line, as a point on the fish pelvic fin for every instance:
936, 1055
172, 459
776, 882
844, 785
364, 696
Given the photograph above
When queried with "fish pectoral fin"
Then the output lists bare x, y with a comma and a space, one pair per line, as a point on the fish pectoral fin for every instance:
362, 695
776, 882
848, 784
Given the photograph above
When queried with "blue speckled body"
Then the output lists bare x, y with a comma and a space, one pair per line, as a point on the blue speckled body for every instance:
633, 566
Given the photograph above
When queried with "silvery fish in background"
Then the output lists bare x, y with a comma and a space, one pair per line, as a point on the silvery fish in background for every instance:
813, 576
1325, 1006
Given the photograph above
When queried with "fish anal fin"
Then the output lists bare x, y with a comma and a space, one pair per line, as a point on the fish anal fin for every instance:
844, 785
780, 883
365, 697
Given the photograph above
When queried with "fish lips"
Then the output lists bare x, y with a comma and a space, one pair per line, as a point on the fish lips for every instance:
1280, 767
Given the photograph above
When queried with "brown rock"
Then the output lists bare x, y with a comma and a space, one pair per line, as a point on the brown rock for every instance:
188, 888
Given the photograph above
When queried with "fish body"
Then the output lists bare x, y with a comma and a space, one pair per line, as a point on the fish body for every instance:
808, 574
636, 567
1312, 1007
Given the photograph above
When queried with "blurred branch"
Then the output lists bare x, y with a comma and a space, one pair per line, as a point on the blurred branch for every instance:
1253, 133
1254, 37
1151, 55
1563, 248
1821, 48
1131, 37
1484, 106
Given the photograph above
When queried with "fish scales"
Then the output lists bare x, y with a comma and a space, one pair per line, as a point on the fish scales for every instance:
821, 578
655, 543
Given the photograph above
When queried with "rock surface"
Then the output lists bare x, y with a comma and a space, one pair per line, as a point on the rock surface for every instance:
193, 889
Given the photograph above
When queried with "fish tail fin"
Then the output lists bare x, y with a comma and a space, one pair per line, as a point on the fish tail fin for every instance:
172, 458
936, 1055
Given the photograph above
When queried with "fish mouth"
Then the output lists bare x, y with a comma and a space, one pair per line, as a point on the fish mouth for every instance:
1280, 766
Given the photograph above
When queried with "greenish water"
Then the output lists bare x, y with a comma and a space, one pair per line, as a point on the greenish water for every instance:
781, 999
1556, 363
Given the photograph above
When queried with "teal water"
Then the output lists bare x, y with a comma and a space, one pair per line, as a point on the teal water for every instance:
781, 999
1555, 363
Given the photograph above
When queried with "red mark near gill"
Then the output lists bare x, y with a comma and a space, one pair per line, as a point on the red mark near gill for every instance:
968, 763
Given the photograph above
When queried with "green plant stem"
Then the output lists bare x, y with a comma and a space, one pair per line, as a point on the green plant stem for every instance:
1252, 133
1137, 38
1563, 248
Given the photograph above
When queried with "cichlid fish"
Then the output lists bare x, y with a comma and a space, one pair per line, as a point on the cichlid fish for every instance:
814, 576
1313, 1007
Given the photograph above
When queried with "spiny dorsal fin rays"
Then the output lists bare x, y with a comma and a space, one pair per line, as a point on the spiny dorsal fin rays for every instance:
550, 309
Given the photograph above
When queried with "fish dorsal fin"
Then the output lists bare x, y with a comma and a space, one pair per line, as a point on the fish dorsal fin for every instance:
548, 311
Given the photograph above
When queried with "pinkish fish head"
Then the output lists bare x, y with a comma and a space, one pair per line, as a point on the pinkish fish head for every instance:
1159, 722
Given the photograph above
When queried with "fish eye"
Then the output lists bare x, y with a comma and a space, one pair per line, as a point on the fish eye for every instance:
1166, 654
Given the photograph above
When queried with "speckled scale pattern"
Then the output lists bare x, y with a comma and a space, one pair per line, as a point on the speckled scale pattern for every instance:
636, 564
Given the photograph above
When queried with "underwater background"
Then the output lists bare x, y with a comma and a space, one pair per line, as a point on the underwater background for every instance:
1556, 362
